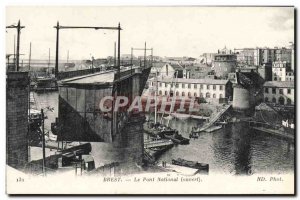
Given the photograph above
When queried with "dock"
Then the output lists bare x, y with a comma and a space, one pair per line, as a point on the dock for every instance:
275, 132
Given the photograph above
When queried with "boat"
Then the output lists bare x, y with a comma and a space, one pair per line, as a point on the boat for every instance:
191, 164
156, 147
181, 116
213, 128
175, 137
157, 129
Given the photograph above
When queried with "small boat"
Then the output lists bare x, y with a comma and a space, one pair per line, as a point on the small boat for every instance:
157, 129
175, 137
191, 164
222, 122
212, 129
181, 116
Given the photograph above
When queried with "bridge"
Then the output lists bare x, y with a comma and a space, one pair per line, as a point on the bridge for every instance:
215, 118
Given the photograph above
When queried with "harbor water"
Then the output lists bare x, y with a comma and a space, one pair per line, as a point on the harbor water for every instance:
235, 149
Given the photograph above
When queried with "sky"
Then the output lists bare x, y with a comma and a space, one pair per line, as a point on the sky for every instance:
170, 31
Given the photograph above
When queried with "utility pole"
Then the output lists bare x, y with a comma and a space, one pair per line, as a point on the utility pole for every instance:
43, 142
145, 56
29, 62
119, 48
58, 27
18, 44
18, 27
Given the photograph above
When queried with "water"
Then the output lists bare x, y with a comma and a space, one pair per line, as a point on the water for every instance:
235, 149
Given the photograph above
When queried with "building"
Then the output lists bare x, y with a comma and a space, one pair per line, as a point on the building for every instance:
245, 56
279, 70
206, 58
212, 90
279, 92
170, 70
224, 63
290, 76
265, 71
259, 56
196, 71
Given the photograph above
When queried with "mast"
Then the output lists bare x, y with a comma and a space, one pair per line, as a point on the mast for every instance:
173, 97
155, 95
115, 58
49, 62
29, 62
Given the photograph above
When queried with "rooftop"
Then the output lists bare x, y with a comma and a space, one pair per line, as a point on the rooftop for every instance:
280, 84
200, 81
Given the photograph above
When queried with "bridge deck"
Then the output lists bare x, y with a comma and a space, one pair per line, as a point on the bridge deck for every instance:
215, 118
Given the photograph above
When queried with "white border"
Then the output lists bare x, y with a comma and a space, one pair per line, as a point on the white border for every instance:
5, 3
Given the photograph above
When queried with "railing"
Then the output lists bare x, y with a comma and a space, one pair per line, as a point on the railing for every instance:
70, 74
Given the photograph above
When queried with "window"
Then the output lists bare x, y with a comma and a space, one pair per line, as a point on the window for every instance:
183, 94
183, 86
214, 96
160, 92
201, 95
207, 87
221, 96
189, 85
195, 86
289, 102
214, 87
289, 91
266, 99
274, 100
273, 90
160, 84
166, 93
207, 95
280, 91
195, 94
281, 100
176, 85
177, 93
189, 94
221, 87
201, 86
266, 90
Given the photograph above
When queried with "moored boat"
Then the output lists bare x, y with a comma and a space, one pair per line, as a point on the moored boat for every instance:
175, 137
191, 164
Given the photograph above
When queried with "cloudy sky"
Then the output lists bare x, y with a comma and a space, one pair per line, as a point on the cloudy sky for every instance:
171, 31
